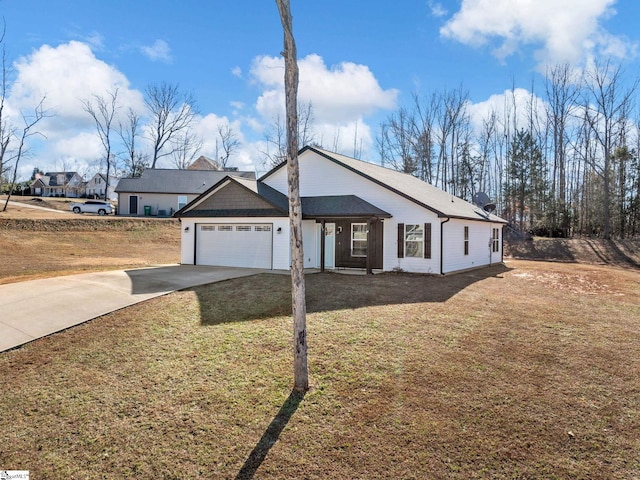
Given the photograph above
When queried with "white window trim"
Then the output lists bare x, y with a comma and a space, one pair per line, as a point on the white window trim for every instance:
358, 240
420, 230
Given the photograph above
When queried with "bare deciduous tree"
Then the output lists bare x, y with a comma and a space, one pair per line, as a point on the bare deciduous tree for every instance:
276, 138
172, 113
562, 92
27, 131
229, 142
185, 148
134, 161
298, 302
605, 111
103, 112
5, 129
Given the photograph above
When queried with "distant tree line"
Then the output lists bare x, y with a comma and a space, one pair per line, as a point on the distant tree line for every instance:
566, 165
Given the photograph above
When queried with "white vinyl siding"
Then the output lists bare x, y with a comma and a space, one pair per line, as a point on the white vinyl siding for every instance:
480, 245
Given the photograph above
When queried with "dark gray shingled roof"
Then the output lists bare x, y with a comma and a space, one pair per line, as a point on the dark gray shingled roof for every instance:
244, 212
334, 206
160, 180
339, 206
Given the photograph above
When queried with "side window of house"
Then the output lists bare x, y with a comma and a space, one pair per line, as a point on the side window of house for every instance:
414, 240
358, 239
466, 240
182, 201
496, 240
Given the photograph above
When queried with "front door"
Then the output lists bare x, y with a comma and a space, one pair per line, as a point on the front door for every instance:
329, 244
133, 205
353, 243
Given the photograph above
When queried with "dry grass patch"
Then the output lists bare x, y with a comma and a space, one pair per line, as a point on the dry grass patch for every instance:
32, 249
595, 251
477, 375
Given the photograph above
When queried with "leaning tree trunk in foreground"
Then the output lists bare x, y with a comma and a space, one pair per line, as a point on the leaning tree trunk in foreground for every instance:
299, 308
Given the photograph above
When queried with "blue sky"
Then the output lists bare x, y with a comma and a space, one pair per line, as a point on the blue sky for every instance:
359, 61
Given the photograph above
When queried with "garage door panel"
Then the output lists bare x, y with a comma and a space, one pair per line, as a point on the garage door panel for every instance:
235, 245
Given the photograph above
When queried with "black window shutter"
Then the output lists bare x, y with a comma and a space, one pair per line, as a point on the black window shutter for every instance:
427, 240
401, 240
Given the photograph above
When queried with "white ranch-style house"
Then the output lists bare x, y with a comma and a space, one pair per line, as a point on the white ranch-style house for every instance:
355, 214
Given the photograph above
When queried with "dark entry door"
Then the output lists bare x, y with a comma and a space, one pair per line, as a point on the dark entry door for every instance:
349, 252
133, 205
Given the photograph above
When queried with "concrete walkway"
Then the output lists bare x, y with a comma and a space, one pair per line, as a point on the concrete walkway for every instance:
37, 308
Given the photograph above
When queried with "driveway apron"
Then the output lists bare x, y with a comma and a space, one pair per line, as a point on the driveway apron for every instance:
37, 308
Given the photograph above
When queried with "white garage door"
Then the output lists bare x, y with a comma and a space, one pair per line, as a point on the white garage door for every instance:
234, 245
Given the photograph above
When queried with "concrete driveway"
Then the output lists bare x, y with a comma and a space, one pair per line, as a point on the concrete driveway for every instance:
34, 309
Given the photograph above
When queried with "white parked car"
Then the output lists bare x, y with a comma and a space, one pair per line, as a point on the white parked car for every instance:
93, 206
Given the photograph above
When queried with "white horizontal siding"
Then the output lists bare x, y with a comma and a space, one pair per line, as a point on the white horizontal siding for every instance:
480, 254
188, 232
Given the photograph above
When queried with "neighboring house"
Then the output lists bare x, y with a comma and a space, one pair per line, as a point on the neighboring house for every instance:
95, 188
204, 163
58, 184
162, 192
354, 214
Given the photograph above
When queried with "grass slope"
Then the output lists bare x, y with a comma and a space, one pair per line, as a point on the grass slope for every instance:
524, 371
37, 248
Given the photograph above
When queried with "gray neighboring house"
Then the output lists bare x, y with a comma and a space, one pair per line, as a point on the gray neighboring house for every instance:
162, 192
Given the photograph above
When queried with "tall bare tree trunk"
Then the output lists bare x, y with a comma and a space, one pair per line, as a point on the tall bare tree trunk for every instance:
298, 304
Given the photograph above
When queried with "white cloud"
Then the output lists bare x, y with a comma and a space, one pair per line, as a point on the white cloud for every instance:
159, 51
518, 102
437, 10
94, 39
84, 145
350, 138
66, 75
340, 94
236, 72
567, 31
